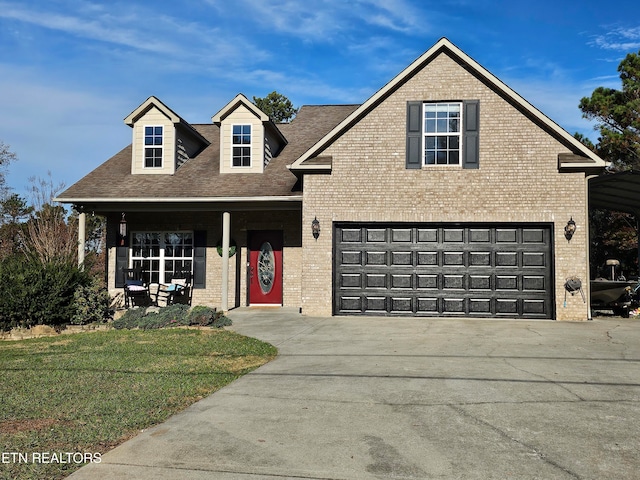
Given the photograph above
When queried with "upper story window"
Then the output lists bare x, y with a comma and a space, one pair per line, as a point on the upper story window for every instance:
241, 154
153, 147
442, 133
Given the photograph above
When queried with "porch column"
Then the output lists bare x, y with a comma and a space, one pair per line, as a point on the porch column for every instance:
226, 235
82, 221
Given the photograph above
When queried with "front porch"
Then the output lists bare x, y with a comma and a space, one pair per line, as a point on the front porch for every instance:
237, 255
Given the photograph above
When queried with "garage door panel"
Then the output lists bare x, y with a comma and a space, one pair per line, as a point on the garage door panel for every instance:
506, 235
533, 283
401, 258
351, 258
376, 258
475, 270
452, 235
533, 235
402, 305
375, 304
477, 235
376, 280
428, 306
402, 281
403, 235
376, 235
427, 258
351, 235
427, 235
427, 281
480, 306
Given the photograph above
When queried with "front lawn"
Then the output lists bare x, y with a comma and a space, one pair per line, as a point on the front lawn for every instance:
86, 393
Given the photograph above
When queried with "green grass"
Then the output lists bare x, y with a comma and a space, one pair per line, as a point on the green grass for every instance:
89, 392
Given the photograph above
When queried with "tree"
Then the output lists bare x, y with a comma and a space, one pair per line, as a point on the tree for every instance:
50, 234
6, 157
617, 113
277, 106
14, 211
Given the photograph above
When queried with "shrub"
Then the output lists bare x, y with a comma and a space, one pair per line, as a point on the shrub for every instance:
34, 293
91, 303
171, 316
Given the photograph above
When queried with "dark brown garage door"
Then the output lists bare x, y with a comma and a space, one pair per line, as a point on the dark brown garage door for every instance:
474, 270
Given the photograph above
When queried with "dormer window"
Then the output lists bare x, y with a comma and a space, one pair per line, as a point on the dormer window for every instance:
153, 147
241, 154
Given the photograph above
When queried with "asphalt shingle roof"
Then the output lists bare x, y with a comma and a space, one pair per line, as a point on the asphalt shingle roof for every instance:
200, 176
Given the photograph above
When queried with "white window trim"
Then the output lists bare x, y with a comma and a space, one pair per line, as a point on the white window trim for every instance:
144, 147
424, 136
161, 258
245, 167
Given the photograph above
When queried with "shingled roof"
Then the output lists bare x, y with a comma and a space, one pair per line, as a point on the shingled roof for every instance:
199, 178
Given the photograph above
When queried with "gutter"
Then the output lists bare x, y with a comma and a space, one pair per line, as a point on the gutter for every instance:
287, 198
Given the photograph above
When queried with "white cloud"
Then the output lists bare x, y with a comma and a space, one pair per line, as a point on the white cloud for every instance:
619, 38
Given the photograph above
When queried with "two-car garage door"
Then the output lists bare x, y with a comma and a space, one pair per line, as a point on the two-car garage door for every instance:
474, 270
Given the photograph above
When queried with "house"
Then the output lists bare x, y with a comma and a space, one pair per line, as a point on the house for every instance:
444, 194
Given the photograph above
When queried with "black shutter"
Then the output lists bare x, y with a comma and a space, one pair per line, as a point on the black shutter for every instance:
471, 155
199, 259
414, 135
122, 262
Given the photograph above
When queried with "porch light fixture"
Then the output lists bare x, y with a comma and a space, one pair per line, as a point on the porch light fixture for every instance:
315, 228
569, 229
122, 230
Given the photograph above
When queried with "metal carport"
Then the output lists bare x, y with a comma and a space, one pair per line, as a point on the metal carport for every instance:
617, 191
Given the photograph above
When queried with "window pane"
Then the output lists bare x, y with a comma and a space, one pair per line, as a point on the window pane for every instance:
246, 139
441, 158
430, 143
441, 142
237, 129
430, 126
148, 140
454, 143
157, 141
454, 125
454, 158
148, 130
442, 125
430, 158
158, 131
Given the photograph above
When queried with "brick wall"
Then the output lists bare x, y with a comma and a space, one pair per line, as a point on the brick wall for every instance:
518, 181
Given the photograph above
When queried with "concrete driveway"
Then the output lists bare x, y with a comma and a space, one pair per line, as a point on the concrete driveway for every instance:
359, 398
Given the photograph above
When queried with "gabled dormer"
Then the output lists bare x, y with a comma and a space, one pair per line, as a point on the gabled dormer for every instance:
248, 138
162, 140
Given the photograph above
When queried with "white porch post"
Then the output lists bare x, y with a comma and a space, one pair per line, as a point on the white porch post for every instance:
226, 235
82, 221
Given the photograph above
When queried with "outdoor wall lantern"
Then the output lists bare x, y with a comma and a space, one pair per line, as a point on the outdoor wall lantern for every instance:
315, 228
122, 230
569, 229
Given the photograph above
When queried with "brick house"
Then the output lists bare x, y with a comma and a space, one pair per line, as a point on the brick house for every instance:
444, 194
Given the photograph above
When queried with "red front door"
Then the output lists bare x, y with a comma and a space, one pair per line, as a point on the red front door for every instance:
265, 267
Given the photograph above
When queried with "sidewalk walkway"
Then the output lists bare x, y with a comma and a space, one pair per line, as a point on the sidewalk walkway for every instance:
372, 398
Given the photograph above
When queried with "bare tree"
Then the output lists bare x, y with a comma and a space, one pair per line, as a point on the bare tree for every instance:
50, 234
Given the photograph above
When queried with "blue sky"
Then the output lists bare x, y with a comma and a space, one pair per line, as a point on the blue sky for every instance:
72, 70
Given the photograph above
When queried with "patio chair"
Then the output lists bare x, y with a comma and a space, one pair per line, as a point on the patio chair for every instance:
178, 291
136, 290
